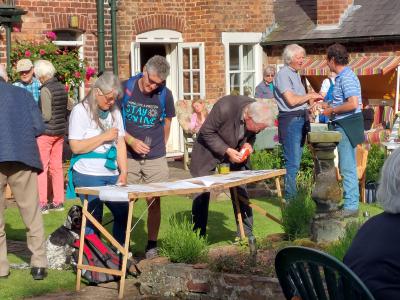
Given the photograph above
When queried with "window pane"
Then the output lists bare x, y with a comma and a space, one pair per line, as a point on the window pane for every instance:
187, 97
235, 84
186, 82
186, 56
195, 58
196, 82
248, 84
233, 57
248, 57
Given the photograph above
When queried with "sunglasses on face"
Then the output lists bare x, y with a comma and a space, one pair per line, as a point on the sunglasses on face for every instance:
152, 82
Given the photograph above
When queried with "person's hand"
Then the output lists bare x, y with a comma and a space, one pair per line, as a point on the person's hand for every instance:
122, 178
110, 135
139, 147
328, 111
234, 156
314, 97
247, 145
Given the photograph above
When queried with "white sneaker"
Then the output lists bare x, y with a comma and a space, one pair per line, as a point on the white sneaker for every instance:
151, 253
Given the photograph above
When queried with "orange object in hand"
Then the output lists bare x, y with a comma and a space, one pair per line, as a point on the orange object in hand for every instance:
245, 151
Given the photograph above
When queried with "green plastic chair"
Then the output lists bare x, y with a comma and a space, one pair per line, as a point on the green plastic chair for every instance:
309, 274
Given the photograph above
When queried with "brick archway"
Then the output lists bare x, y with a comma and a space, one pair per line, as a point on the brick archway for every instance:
61, 21
158, 22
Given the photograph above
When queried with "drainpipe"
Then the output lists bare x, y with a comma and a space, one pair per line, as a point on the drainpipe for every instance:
8, 45
114, 38
100, 35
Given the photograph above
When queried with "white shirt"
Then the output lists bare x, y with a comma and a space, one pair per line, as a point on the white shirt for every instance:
82, 127
326, 84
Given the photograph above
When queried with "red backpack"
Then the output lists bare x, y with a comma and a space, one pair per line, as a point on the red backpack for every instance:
98, 254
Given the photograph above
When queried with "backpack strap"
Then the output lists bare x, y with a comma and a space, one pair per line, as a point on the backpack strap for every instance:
128, 91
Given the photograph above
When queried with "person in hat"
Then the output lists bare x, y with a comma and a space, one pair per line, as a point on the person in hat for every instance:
27, 81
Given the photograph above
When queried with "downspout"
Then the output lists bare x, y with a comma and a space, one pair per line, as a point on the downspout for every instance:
8, 45
114, 39
100, 35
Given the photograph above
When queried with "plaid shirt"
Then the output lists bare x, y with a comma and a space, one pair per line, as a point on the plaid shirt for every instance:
33, 87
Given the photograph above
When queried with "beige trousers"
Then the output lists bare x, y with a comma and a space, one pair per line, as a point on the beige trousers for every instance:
23, 183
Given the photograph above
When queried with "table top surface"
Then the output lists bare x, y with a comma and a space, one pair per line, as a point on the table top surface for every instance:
186, 186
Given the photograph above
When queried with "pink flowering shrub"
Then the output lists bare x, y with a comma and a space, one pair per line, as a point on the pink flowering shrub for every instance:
71, 70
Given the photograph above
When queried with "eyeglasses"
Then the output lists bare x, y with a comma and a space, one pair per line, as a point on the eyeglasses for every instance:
109, 97
152, 82
269, 75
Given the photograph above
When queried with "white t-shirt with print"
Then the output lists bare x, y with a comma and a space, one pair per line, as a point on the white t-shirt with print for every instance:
82, 127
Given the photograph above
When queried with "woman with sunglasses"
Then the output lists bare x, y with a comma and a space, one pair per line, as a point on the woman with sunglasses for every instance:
265, 89
96, 137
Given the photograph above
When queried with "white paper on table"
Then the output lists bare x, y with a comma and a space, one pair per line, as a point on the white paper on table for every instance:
113, 195
176, 185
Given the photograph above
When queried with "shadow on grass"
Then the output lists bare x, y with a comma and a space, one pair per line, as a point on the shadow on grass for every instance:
16, 245
217, 231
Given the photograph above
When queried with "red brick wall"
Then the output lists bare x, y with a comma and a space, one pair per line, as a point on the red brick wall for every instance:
46, 16
330, 11
198, 21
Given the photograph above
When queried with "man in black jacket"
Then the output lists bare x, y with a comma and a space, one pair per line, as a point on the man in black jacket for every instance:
232, 123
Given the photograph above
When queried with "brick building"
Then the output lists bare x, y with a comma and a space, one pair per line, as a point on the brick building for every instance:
369, 29
213, 46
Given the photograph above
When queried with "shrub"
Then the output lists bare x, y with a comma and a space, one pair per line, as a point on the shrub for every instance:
71, 70
376, 158
338, 249
273, 159
297, 215
267, 159
181, 244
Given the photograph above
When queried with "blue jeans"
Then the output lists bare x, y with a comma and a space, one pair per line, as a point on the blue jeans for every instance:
348, 170
293, 143
119, 210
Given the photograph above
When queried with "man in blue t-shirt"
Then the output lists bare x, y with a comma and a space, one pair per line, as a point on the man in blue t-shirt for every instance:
148, 124
345, 111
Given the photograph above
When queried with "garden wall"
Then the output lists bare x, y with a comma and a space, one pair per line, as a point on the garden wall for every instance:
188, 282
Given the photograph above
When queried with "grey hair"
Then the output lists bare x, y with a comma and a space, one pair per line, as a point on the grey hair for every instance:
3, 72
44, 69
260, 112
106, 83
269, 70
389, 186
159, 65
290, 51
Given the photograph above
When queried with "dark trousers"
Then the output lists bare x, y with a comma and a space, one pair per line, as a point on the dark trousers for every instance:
200, 210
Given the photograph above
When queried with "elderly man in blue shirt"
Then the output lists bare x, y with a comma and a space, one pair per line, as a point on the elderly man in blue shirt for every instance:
293, 104
26, 79
346, 116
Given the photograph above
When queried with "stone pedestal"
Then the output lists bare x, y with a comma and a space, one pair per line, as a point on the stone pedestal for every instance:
326, 225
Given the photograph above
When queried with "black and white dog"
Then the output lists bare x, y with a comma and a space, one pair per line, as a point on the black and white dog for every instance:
59, 243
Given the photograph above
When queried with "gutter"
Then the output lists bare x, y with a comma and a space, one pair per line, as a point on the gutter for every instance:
333, 40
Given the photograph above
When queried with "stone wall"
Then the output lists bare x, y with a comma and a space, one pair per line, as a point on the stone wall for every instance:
187, 282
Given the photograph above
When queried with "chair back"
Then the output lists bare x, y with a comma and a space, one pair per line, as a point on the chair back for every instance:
309, 274
361, 159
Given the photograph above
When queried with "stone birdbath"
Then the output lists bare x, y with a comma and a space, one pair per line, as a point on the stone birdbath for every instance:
326, 225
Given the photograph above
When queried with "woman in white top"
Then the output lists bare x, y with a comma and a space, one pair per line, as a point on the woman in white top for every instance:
96, 137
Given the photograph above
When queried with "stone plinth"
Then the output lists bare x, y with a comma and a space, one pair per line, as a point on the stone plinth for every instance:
326, 225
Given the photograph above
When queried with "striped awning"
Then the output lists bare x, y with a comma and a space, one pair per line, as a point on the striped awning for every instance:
365, 65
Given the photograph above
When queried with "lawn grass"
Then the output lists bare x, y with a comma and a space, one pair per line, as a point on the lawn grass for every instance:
221, 231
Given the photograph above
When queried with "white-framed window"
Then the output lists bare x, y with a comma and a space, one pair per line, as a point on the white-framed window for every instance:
191, 71
243, 62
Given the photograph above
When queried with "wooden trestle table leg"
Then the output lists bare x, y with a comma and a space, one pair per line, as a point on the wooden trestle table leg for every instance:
238, 213
126, 250
81, 243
